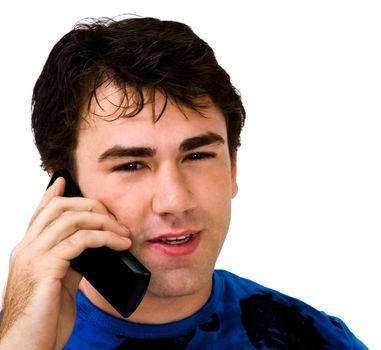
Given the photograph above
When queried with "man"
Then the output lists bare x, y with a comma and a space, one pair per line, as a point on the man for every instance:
148, 124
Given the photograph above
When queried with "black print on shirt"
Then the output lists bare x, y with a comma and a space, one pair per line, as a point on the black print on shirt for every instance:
213, 325
270, 324
173, 343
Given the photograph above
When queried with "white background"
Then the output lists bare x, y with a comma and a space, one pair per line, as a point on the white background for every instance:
307, 216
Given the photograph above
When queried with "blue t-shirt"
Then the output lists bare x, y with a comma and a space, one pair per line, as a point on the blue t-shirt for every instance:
240, 314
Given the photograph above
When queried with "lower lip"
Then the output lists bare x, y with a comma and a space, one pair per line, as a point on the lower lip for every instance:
180, 249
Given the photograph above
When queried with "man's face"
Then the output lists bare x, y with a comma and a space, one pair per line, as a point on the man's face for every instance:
170, 182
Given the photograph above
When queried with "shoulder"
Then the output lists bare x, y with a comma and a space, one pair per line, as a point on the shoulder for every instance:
270, 314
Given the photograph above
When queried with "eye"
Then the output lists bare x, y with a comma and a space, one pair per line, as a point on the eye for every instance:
200, 156
129, 167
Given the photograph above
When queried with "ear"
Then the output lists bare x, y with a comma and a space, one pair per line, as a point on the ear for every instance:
234, 176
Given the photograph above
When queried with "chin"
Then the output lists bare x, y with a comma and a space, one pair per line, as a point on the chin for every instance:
179, 283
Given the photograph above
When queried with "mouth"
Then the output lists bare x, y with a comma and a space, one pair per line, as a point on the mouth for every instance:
176, 244
176, 240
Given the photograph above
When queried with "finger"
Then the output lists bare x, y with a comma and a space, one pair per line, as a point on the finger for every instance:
57, 189
74, 245
57, 206
70, 222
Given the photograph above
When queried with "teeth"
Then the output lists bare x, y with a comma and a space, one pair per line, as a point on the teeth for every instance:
176, 240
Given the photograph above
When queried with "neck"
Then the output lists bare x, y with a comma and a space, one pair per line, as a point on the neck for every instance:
153, 309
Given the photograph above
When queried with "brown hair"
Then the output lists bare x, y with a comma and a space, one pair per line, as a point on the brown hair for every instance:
145, 54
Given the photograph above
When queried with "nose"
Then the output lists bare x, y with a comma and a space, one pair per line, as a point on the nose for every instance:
172, 192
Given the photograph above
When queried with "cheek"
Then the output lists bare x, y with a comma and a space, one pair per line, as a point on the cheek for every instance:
214, 195
128, 203
218, 182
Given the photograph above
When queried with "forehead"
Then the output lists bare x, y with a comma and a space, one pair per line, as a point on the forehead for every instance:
108, 119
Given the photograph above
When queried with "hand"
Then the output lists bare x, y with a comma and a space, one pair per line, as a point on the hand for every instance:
40, 298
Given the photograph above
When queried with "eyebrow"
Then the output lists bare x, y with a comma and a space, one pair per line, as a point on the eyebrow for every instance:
123, 152
187, 145
201, 140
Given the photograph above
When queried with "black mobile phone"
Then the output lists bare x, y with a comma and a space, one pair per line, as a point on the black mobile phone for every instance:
117, 275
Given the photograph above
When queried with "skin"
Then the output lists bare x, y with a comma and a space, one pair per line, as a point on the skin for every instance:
170, 191
39, 303
179, 187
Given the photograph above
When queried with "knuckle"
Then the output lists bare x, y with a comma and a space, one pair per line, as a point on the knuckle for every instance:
55, 201
68, 243
95, 206
67, 249
14, 254
67, 214
35, 216
91, 237
93, 203
20, 262
94, 238
59, 204
17, 254
74, 218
